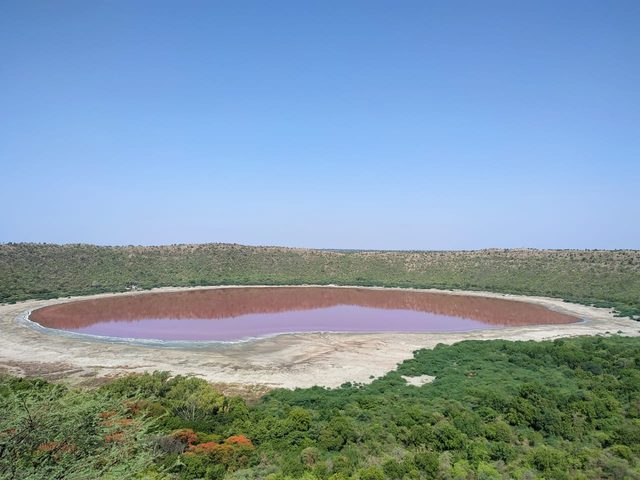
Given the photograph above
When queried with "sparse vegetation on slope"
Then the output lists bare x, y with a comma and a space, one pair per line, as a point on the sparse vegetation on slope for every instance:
601, 277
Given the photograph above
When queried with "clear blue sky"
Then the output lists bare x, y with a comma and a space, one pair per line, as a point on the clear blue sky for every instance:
337, 124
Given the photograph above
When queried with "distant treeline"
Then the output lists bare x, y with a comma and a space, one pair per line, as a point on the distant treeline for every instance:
608, 278
563, 410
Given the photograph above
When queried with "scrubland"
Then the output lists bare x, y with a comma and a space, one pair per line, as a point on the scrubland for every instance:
564, 409
608, 278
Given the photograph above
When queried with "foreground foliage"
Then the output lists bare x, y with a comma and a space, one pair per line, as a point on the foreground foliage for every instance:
48, 431
566, 409
607, 278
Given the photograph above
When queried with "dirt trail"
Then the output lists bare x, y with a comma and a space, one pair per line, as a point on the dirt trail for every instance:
295, 360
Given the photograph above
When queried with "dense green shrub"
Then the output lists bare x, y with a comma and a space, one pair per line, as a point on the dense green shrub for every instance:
531, 410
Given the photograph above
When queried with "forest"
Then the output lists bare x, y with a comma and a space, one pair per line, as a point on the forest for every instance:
605, 278
563, 409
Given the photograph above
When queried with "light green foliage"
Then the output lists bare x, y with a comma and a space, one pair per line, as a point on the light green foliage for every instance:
487, 471
371, 473
194, 399
48, 432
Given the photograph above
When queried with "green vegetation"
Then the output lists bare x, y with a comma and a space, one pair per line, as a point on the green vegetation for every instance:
604, 278
567, 409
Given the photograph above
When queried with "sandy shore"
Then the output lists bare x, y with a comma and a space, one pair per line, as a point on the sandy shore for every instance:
294, 360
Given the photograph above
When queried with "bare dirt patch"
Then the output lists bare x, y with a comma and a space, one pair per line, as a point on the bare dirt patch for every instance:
419, 380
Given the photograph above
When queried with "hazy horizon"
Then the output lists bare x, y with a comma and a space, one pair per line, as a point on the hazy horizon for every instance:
294, 247
334, 125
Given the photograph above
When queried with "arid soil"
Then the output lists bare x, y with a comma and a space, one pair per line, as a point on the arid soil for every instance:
293, 360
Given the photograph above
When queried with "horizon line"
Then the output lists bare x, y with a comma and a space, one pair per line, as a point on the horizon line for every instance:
323, 249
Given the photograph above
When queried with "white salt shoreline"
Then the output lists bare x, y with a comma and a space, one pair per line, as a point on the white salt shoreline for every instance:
285, 360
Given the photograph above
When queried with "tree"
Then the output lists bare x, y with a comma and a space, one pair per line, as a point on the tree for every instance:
193, 399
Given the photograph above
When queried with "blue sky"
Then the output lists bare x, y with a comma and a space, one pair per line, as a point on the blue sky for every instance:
335, 124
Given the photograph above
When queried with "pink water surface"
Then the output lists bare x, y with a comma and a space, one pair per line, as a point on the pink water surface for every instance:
230, 314
343, 318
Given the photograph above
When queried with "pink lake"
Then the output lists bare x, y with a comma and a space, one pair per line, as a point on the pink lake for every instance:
233, 314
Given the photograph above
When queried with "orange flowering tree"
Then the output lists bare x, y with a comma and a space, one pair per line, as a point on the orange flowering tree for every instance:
235, 452
50, 431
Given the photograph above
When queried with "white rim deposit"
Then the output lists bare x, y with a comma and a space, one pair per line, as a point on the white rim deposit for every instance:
287, 360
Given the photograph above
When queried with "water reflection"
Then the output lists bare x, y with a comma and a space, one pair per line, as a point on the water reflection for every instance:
236, 313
